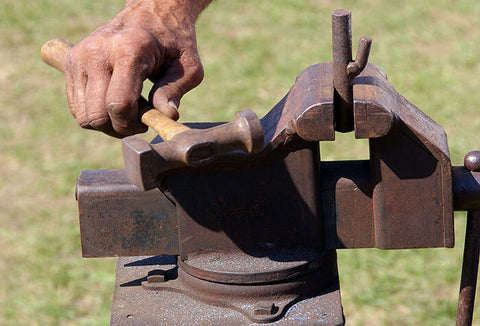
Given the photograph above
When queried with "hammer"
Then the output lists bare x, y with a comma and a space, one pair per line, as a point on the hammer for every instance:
182, 146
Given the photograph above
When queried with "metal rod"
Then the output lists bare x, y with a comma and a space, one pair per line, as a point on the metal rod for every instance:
363, 51
342, 56
466, 298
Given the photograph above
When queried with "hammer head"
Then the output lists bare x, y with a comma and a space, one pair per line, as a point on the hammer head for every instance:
141, 162
144, 161
194, 147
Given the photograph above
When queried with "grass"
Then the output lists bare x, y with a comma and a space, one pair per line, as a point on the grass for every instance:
252, 51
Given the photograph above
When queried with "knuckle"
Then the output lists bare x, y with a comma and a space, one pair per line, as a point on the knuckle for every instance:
67, 63
92, 45
193, 68
71, 65
139, 57
91, 54
134, 43
197, 74
74, 64
76, 55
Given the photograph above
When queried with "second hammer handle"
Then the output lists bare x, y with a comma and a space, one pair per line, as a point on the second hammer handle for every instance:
53, 53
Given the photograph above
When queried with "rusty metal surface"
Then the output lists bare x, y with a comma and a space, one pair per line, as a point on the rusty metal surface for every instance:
133, 304
468, 284
466, 189
346, 187
307, 109
410, 168
342, 56
238, 268
409, 171
412, 198
346, 196
344, 68
466, 298
117, 219
262, 239
257, 208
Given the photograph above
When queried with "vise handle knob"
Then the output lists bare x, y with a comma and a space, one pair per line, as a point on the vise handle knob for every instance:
53, 52
472, 161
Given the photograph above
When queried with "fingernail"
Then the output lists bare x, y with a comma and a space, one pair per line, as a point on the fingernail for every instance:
173, 105
99, 123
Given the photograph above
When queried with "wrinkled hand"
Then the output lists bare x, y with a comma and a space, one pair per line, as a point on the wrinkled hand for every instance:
104, 72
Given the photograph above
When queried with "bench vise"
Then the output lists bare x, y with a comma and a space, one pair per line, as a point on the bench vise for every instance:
252, 238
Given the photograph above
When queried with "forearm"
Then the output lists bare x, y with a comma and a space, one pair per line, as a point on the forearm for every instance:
191, 7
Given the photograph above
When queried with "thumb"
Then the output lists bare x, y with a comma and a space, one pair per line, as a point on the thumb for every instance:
181, 76
162, 98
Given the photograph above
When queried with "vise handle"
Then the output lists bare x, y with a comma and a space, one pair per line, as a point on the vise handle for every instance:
53, 52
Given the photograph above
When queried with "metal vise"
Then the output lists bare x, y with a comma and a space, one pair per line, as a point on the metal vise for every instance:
252, 238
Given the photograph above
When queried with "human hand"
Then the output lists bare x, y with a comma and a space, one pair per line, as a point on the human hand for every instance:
104, 72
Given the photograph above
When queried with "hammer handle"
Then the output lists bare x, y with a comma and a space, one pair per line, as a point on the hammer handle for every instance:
54, 51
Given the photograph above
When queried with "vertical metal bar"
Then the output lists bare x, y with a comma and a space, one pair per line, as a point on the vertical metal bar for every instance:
468, 283
342, 56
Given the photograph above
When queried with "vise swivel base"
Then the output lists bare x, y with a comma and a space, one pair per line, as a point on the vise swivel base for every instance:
252, 238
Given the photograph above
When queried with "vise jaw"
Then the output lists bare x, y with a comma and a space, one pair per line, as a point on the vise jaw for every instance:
402, 196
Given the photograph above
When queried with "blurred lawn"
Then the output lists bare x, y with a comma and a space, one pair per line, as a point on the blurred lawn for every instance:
252, 51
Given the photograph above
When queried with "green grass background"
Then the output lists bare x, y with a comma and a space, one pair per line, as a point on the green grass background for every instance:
252, 51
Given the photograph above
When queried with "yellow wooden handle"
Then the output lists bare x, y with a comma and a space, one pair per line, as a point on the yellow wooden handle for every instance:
163, 125
54, 51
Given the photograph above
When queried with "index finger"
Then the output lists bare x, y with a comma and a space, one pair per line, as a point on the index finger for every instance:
122, 95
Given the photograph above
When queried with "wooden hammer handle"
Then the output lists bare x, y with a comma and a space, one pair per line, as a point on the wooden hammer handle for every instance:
54, 51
